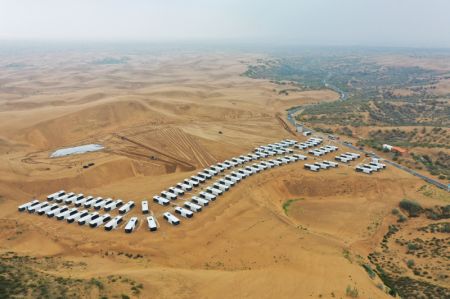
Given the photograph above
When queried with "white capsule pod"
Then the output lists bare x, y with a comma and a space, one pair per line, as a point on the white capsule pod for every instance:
126, 207
208, 196
100, 220
102, 203
91, 202
81, 201
161, 200
35, 208
114, 223
55, 195
184, 212
144, 207
200, 201
192, 206
131, 225
87, 218
63, 215
114, 205
45, 209
151, 223
76, 216
214, 191
65, 197
176, 191
171, 218
26, 205
169, 195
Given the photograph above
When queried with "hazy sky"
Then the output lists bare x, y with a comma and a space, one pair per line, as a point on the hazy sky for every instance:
309, 22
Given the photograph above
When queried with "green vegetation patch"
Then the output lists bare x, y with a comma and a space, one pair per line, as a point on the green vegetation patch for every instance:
288, 203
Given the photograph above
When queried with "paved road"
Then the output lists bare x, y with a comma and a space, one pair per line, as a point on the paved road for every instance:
291, 119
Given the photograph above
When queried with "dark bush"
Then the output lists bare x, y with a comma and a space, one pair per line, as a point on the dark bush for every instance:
412, 207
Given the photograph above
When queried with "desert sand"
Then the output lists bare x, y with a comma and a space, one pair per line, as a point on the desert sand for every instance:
187, 111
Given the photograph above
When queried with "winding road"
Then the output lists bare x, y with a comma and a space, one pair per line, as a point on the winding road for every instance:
291, 119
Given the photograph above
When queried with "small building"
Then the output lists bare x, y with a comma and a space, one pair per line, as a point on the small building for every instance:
387, 147
399, 150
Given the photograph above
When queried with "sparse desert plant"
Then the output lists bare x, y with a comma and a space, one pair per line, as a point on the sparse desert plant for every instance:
410, 263
395, 211
412, 207
352, 292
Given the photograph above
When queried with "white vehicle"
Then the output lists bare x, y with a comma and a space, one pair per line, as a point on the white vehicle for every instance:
342, 159
217, 168
322, 165
190, 183
65, 214
208, 196
161, 200
151, 222
359, 168
348, 157
34, 208
73, 199
102, 203
113, 223
92, 202
45, 209
144, 207
374, 168
52, 212
300, 157
230, 163
226, 182
282, 161
380, 165
131, 225
113, 205
204, 175
62, 198
377, 165
169, 195
200, 201
224, 188
55, 195
26, 205
126, 207
56, 212
331, 164
171, 218
184, 212
214, 191
245, 158
251, 169
192, 206
316, 153
244, 172
353, 154
81, 201
232, 179
100, 220
210, 171
238, 175
275, 162
311, 167
198, 179
76, 216
87, 218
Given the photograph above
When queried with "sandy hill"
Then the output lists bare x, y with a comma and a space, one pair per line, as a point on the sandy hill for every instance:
161, 120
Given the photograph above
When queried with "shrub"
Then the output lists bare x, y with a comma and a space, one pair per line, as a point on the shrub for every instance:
395, 211
413, 246
412, 207
352, 292
401, 218
410, 263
